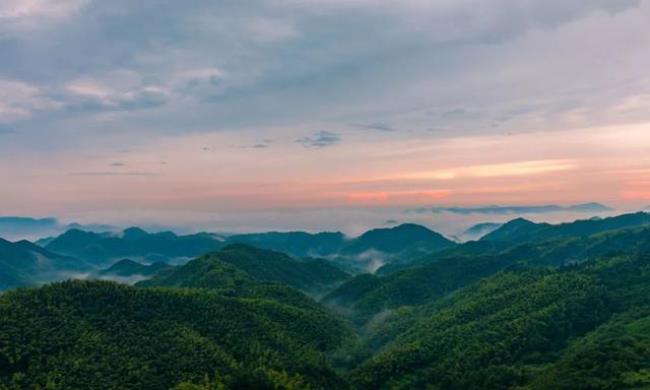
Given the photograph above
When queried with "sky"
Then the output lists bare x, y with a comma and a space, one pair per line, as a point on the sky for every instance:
320, 114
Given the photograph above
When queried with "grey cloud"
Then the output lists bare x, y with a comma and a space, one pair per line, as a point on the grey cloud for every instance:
264, 144
330, 63
6, 130
118, 164
320, 139
377, 126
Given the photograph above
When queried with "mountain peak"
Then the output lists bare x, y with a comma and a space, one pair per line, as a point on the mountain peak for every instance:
134, 233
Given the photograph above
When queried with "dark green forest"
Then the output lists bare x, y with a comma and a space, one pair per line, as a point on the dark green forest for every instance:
530, 306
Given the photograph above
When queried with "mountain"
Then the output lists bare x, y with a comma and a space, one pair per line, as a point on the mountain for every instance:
298, 244
368, 251
237, 264
575, 328
364, 296
520, 210
405, 237
130, 272
523, 230
436, 275
19, 227
101, 335
398, 245
567, 307
516, 230
134, 242
23, 263
476, 232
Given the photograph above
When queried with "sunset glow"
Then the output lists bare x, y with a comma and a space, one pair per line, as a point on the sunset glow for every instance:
220, 120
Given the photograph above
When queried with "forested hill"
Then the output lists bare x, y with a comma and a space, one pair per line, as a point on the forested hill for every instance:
100, 335
568, 312
521, 230
236, 264
433, 277
582, 327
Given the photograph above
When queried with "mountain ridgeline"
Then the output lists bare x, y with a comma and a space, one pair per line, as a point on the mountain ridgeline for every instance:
235, 264
528, 306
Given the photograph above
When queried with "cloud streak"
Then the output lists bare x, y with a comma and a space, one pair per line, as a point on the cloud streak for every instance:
320, 139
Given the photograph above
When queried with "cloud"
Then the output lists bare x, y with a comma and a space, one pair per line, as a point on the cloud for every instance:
264, 144
6, 130
122, 91
320, 139
518, 210
520, 168
21, 15
377, 126
19, 100
85, 78
118, 164
112, 173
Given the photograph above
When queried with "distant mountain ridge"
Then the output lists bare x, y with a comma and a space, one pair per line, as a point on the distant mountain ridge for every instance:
129, 268
591, 207
100, 248
397, 239
477, 231
23, 263
524, 230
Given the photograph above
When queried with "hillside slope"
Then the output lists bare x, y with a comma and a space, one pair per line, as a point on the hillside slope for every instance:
104, 335
520, 328
235, 264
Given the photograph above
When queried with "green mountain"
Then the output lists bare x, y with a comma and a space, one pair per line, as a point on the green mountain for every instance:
370, 250
298, 244
402, 238
581, 327
436, 275
519, 229
364, 296
522, 230
23, 263
551, 244
237, 264
92, 335
544, 307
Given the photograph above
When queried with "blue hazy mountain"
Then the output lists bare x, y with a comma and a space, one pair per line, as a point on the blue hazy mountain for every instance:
23, 263
594, 208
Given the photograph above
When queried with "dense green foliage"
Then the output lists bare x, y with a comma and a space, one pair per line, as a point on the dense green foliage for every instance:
237, 264
76, 335
567, 310
508, 330
366, 295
